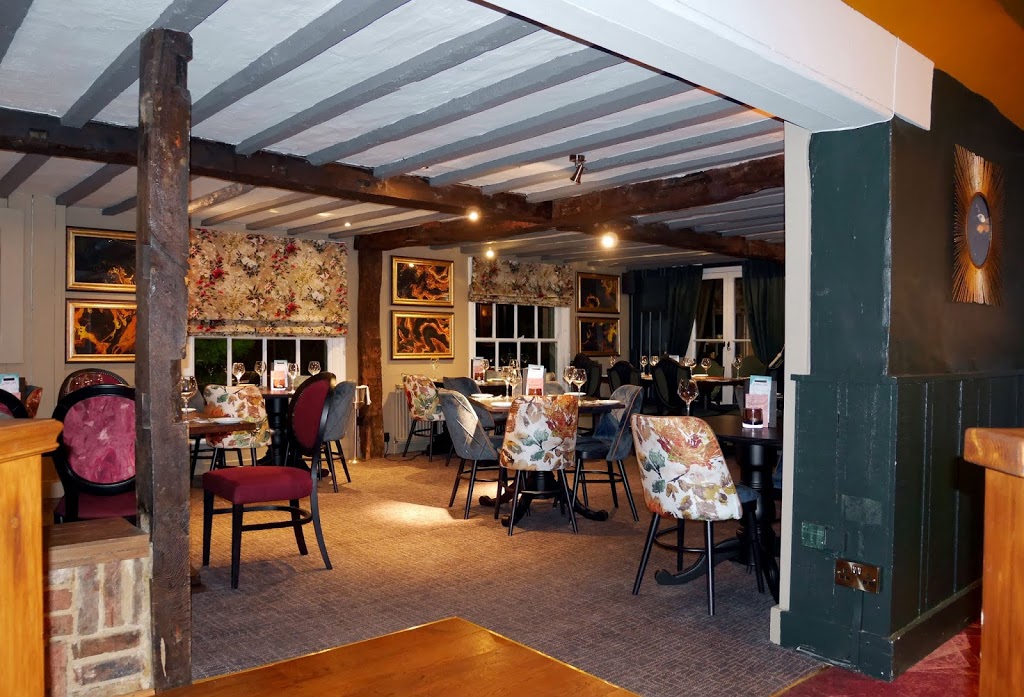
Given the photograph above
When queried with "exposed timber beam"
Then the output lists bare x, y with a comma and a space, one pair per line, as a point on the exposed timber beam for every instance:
121, 207
219, 196
12, 14
660, 234
274, 203
33, 133
650, 90
446, 233
180, 15
553, 72
91, 184
776, 225
686, 117
683, 219
24, 168
520, 241
393, 225
768, 197
299, 214
350, 220
338, 23
438, 59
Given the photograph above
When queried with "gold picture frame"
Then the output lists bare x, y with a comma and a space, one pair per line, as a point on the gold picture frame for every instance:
100, 260
419, 335
598, 336
977, 228
425, 282
597, 292
100, 331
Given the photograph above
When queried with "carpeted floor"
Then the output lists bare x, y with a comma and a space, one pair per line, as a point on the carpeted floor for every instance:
402, 558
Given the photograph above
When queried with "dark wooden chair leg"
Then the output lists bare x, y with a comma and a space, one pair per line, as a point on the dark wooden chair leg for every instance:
652, 533
515, 500
628, 492
569, 499
754, 539
236, 542
238, 454
458, 478
502, 488
314, 508
195, 457
330, 466
430, 442
408, 438
680, 544
300, 539
469, 494
252, 456
611, 482
344, 462
709, 550
207, 525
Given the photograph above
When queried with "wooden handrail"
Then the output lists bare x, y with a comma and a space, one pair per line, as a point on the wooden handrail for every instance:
22, 441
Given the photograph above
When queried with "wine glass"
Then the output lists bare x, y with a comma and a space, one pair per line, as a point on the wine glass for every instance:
654, 361
238, 370
433, 367
188, 390
260, 367
579, 377
688, 391
514, 378
293, 372
314, 367
736, 366
689, 362
705, 363
567, 375
643, 365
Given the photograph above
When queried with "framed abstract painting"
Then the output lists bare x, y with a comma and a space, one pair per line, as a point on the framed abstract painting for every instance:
421, 282
596, 292
418, 335
101, 260
100, 331
598, 336
977, 228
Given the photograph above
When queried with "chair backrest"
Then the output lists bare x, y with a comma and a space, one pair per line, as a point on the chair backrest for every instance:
683, 470
33, 395
467, 432
86, 377
308, 412
244, 402
96, 449
667, 375
620, 422
750, 365
491, 374
592, 387
467, 387
553, 387
540, 433
421, 398
622, 373
11, 406
340, 414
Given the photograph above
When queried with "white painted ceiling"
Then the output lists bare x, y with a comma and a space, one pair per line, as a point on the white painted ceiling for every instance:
62, 47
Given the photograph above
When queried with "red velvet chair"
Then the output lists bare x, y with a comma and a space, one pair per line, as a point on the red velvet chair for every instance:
253, 488
95, 456
86, 377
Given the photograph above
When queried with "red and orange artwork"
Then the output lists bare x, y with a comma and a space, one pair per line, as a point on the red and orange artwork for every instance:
421, 335
421, 282
101, 331
597, 293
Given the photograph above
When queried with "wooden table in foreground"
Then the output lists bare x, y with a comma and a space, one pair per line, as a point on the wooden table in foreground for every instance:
1001, 452
451, 657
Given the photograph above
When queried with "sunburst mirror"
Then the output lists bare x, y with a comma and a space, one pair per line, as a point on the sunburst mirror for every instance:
977, 228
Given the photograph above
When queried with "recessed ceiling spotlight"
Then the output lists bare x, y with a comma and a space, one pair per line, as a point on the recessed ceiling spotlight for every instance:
273, 210
348, 224
489, 253
609, 240
473, 214
325, 215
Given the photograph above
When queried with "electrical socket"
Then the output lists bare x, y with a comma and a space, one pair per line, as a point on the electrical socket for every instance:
387, 437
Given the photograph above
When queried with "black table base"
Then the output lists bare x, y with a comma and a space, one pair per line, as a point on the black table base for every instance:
549, 489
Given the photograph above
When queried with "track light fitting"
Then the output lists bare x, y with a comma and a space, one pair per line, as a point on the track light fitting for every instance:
577, 173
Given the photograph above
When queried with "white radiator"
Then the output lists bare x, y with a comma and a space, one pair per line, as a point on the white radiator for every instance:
397, 422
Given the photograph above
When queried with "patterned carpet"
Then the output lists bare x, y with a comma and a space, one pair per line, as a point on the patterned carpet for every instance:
401, 558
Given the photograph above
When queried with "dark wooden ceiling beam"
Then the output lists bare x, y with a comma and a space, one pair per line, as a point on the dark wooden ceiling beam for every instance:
219, 196
451, 232
32, 133
660, 234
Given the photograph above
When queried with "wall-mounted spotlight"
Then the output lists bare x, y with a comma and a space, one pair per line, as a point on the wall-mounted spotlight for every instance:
577, 173
489, 253
473, 215
609, 240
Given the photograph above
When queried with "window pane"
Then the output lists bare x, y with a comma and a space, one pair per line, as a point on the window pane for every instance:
507, 350
710, 309
211, 362
312, 350
484, 320
528, 354
247, 351
280, 350
710, 349
546, 322
549, 357
527, 317
506, 318
485, 349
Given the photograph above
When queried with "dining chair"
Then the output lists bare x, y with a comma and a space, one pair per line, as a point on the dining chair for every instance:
592, 387
622, 373
243, 402
424, 408
467, 387
33, 396
11, 406
685, 477
95, 455
88, 376
340, 414
612, 442
471, 442
540, 437
666, 376
552, 387
250, 489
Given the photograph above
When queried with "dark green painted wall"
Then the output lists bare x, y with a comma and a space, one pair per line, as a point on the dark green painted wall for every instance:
898, 373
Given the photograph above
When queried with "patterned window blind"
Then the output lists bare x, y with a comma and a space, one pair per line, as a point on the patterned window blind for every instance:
522, 283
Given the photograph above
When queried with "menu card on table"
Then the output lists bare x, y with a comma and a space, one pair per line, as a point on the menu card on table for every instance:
761, 395
9, 383
479, 371
278, 380
534, 379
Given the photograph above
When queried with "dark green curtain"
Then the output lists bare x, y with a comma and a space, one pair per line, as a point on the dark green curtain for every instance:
705, 299
764, 292
683, 292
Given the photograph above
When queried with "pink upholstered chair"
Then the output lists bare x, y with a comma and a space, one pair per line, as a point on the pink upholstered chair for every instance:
11, 407
95, 457
540, 436
255, 488
86, 377
424, 408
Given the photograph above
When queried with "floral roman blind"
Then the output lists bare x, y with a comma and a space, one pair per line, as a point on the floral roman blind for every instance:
522, 283
259, 284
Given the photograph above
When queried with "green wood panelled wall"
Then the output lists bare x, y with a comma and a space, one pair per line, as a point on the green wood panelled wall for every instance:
898, 372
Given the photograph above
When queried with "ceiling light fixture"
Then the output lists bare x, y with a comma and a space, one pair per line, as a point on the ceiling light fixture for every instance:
348, 224
577, 173
473, 214
325, 215
489, 253
609, 240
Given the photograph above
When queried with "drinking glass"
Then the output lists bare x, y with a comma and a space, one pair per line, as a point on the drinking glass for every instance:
314, 367
567, 374
579, 377
188, 390
514, 378
238, 370
293, 372
736, 366
643, 365
654, 361
689, 362
260, 368
705, 363
505, 372
688, 392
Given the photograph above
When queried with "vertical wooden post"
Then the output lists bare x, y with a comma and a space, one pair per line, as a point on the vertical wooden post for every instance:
371, 267
161, 446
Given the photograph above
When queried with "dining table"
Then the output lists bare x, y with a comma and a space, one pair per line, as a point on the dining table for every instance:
706, 385
277, 402
543, 484
757, 452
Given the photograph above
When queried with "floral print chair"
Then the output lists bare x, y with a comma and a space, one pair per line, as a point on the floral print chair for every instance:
540, 436
243, 402
424, 408
685, 477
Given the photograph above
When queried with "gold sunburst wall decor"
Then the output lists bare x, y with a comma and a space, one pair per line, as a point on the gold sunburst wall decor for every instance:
977, 228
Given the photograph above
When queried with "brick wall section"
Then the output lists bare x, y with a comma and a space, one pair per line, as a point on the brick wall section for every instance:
97, 628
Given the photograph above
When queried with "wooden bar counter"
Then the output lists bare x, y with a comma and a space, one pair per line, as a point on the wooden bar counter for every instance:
1001, 452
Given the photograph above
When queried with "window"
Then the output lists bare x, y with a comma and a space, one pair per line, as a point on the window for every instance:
527, 333
211, 357
720, 330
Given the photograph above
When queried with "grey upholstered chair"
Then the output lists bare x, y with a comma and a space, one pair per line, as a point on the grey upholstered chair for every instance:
467, 387
613, 442
470, 442
552, 387
338, 418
